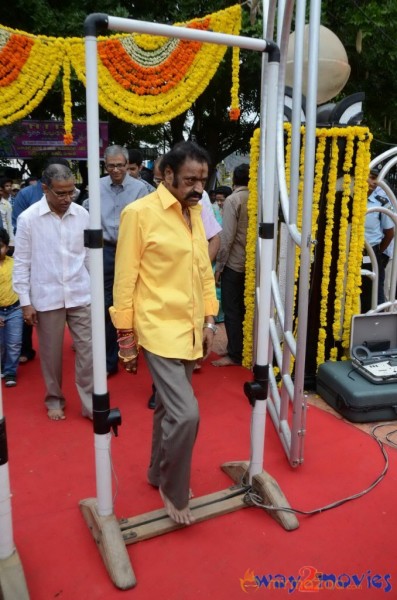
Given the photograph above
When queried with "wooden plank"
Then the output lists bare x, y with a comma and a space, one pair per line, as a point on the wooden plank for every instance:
151, 524
237, 471
107, 535
267, 488
160, 513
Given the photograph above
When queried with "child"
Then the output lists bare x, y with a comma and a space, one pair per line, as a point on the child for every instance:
11, 319
6, 210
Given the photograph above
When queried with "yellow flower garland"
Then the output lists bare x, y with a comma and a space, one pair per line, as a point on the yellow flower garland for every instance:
354, 261
342, 245
25, 81
348, 259
327, 258
67, 102
250, 281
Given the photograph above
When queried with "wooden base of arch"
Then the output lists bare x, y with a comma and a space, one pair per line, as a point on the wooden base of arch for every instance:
112, 535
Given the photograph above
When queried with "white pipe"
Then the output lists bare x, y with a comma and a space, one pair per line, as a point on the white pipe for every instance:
186, 33
102, 446
258, 424
7, 546
96, 254
299, 415
103, 474
267, 194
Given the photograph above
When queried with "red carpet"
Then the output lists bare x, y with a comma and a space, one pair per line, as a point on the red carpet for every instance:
52, 469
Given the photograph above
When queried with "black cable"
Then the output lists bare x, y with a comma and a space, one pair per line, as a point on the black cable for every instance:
255, 499
385, 143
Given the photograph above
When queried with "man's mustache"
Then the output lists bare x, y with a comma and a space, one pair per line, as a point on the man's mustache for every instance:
194, 195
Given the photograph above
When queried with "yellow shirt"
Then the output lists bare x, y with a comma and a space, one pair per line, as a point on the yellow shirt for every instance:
164, 285
7, 294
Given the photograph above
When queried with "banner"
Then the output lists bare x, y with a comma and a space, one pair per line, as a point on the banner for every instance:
31, 138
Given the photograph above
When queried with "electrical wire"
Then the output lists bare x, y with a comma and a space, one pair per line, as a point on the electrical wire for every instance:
385, 143
251, 497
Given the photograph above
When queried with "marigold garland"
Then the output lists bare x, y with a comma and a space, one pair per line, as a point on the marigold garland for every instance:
250, 277
354, 261
327, 257
342, 242
142, 79
67, 102
348, 271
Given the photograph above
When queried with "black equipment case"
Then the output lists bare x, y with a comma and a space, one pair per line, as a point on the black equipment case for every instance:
353, 396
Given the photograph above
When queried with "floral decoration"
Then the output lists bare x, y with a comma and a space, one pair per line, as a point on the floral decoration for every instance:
349, 249
251, 243
142, 79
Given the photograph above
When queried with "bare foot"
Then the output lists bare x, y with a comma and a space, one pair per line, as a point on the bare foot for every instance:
225, 361
183, 517
56, 414
87, 413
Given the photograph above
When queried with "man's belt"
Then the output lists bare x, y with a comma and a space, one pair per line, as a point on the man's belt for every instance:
10, 306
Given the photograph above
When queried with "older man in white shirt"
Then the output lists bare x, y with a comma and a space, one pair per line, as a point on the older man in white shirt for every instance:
52, 280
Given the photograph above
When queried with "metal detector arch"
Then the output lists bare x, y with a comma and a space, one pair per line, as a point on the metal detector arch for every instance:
109, 534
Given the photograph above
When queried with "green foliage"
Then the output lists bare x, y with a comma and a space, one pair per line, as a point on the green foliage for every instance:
373, 70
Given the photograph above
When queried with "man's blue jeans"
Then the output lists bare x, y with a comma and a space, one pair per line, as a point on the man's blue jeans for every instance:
10, 339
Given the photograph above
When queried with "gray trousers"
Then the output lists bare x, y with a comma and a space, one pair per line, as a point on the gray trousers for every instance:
50, 331
175, 425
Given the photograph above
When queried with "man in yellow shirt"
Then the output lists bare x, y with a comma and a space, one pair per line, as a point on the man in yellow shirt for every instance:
165, 302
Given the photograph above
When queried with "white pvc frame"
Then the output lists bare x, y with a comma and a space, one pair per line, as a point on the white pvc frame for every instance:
7, 547
292, 390
268, 142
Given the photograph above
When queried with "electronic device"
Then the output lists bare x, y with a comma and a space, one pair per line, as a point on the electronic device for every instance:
373, 346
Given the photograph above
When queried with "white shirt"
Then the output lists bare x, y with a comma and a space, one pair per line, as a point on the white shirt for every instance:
51, 261
6, 216
211, 225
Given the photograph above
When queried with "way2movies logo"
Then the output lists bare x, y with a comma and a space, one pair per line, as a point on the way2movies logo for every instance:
309, 579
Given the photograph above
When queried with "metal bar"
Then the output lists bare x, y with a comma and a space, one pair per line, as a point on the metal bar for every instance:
101, 442
186, 33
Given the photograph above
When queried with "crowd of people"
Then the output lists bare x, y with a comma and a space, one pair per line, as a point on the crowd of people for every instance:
174, 268
165, 245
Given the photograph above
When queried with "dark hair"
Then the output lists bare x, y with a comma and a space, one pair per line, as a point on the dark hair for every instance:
4, 237
241, 174
135, 156
223, 189
147, 175
5, 180
56, 172
176, 157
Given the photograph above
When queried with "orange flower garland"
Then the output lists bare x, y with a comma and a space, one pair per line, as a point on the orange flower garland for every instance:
142, 79
150, 80
147, 80
13, 57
